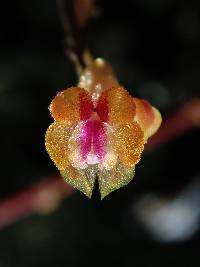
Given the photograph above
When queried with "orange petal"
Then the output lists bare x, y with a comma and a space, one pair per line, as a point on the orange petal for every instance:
71, 105
148, 117
128, 142
56, 141
116, 106
57, 145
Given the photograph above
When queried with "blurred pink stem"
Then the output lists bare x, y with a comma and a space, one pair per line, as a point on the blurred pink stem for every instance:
42, 197
185, 119
47, 195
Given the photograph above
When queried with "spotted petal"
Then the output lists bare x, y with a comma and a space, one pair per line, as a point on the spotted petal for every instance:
57, 144
128, 142
71, 105
116, 106
125, 145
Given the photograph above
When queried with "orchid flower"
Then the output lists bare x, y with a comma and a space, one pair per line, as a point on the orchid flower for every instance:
99, 131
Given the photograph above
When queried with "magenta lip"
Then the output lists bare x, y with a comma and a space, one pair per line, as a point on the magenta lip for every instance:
93, 139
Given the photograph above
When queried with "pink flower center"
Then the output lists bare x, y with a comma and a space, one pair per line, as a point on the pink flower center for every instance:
93, 140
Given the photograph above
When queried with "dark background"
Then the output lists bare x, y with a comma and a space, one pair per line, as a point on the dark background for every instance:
154, 46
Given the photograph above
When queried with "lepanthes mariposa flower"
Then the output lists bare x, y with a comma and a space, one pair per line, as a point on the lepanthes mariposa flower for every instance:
99, 131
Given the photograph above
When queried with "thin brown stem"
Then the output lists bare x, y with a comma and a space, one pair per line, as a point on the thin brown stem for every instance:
75, 16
